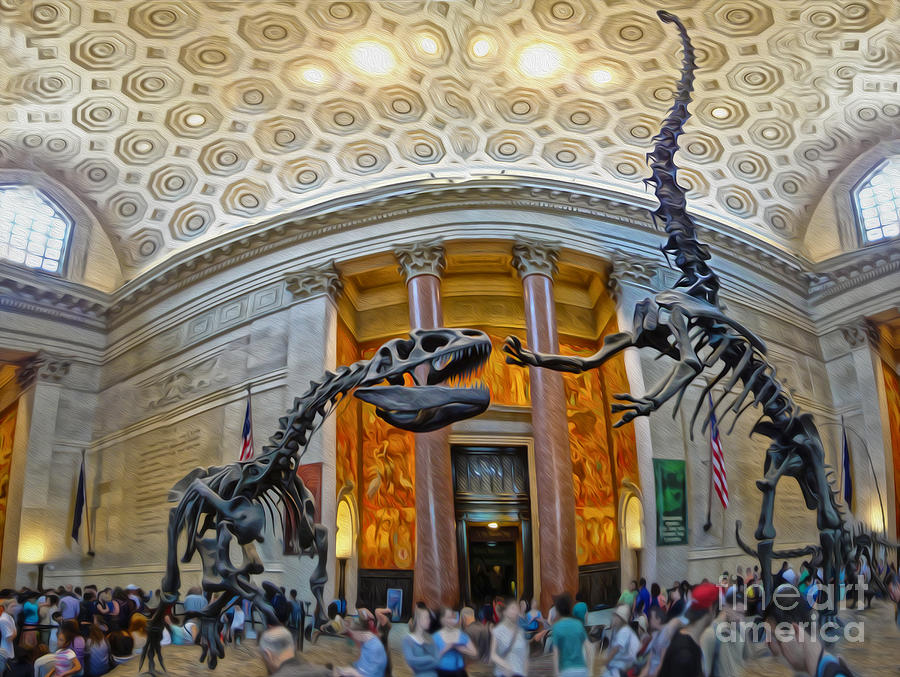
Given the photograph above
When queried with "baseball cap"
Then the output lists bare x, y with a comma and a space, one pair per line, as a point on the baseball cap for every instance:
705, 595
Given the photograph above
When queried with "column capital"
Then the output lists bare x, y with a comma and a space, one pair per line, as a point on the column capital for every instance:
42, 367
421, 258
630, 268
859, 333
535, 257
321, 281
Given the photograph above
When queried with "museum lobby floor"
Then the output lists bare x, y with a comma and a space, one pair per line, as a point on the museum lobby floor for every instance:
876, 657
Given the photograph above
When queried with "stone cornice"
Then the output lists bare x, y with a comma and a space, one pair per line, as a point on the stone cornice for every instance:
421, 258
846, 271
535, 257
325, 280
37, 294
26, 291
397, 202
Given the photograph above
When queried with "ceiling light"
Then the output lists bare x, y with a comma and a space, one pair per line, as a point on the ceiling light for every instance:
372, 58
428, 44
540, 60
720, 113
482, 46
493, 525
195, 120
313, 75
600, 76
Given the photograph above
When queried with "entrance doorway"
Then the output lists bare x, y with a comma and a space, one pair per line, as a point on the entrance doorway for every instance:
493, 521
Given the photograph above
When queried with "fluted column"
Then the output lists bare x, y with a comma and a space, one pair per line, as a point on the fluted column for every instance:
436, 577
536, 263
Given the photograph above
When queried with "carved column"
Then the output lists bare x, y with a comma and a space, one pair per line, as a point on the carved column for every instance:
555, 500
436, 577
33, 513
312, 349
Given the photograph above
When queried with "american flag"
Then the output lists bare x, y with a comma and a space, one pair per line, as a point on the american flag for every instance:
720, 481
247, 434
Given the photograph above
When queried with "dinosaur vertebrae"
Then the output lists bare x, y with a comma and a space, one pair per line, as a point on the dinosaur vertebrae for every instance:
689, 254
298, 425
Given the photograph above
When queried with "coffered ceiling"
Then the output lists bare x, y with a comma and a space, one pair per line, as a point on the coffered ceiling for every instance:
177, 121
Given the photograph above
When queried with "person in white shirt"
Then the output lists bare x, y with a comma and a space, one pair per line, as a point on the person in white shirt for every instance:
509, 648
623, 645
237, 624
7, 635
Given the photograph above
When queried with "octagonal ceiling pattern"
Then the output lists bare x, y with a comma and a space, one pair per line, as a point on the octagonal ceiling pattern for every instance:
177, 121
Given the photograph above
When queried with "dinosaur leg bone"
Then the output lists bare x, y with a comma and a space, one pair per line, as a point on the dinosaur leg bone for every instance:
320, 574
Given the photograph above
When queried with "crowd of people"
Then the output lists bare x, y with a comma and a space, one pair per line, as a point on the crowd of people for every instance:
684, 631
75, 632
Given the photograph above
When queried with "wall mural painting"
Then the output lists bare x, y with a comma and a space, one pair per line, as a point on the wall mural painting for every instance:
348, 413
388, 498
615, 380
597, 536
892, 395
507, 384
7, 431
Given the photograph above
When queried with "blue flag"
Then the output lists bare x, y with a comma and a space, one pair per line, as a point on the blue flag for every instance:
80, 502
845, 461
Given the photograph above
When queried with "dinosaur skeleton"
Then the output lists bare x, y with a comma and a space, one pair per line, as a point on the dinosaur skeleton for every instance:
222, 505
687, 323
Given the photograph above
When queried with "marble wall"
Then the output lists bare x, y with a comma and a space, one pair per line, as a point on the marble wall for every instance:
159, 385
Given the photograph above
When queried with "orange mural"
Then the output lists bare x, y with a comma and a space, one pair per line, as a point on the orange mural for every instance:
892, 395
7, 432
347, 416
615, 380
388, 498
597, 536
508, 384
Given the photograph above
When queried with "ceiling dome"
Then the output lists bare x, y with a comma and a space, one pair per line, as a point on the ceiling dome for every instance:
178, 121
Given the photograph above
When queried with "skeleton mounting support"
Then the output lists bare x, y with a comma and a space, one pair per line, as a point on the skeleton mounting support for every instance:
231, 505
688, 325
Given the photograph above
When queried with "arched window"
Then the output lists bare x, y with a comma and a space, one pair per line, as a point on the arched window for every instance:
34, 231
877, 202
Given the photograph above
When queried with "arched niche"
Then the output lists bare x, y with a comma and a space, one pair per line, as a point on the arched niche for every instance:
631, 530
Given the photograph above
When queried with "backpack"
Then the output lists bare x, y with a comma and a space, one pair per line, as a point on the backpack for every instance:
281, 607
126, 610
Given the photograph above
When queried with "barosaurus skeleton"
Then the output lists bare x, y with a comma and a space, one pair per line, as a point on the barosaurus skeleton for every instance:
688, 324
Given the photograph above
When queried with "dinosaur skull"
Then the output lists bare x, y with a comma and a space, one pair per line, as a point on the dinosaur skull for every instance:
439, 362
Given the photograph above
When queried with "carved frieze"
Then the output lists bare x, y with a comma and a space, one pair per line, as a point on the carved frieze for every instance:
185, 382
421, 258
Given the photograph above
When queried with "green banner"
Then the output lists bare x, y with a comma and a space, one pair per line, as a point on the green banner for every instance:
671, 502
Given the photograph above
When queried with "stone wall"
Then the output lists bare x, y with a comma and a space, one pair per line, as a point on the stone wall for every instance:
156, 383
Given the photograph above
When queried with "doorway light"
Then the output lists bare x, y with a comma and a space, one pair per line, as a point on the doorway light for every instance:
493, 525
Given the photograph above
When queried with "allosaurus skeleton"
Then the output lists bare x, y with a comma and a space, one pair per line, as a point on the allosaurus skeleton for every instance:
221, 505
